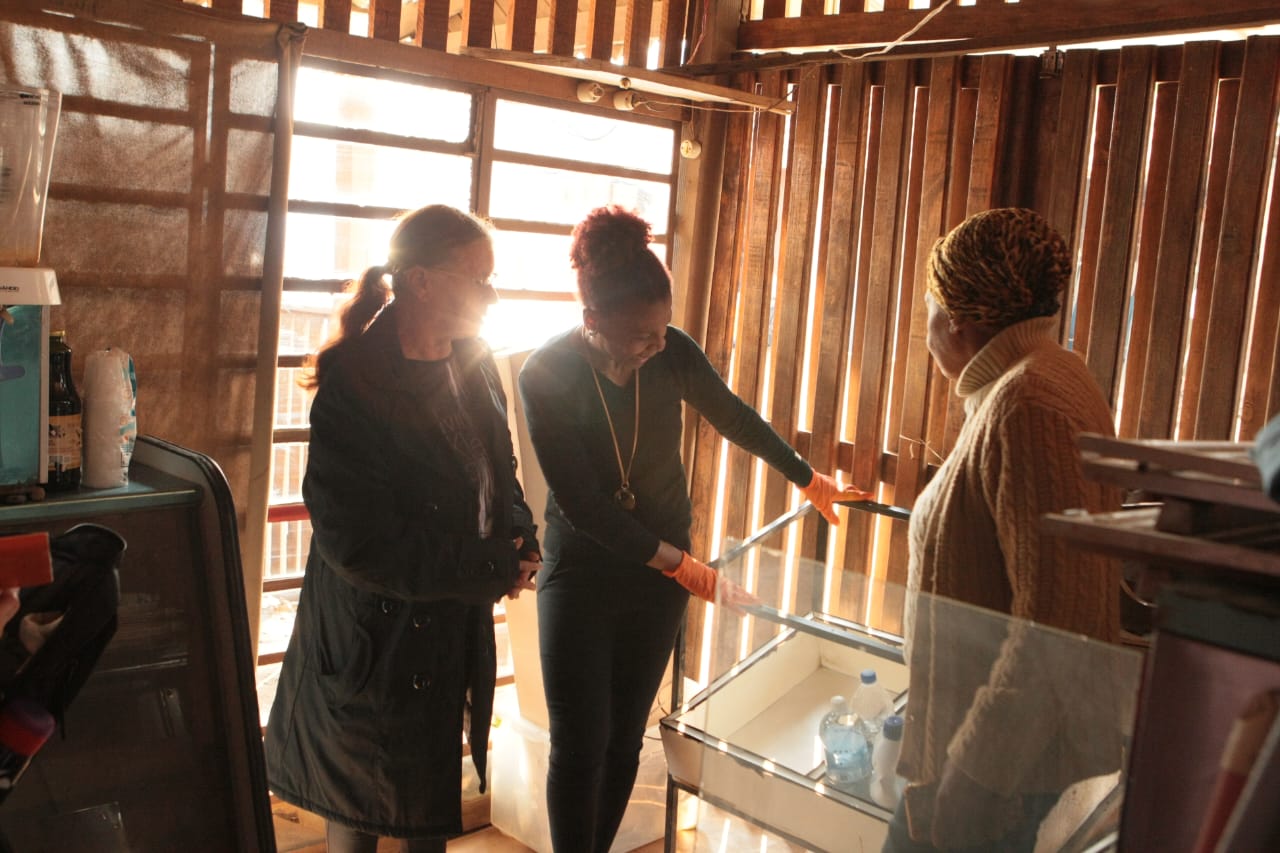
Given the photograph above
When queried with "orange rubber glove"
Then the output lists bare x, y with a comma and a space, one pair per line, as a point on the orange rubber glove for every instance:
704, 582
823, 491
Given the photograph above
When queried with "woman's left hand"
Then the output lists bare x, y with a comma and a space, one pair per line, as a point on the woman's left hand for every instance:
530, 562
824, 491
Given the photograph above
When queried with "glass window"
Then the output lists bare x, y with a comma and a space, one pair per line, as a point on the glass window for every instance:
385, 106
528, 261
355, 173
514, 325
550, 132
539, 194
334, 247
288, 464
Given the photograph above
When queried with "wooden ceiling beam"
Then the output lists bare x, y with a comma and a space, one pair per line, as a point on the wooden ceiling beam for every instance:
1005, 26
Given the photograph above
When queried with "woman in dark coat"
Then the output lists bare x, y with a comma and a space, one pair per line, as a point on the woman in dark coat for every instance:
418, 526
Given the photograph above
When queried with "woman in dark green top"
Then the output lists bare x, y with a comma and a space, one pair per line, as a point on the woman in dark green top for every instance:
603, 403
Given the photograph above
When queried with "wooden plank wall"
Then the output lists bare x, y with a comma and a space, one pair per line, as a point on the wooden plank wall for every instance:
623, 32
1157, 164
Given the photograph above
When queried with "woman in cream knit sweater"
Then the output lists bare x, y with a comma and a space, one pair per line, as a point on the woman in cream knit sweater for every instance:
983, 729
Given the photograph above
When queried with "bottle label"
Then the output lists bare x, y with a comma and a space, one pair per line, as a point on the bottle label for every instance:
65, 442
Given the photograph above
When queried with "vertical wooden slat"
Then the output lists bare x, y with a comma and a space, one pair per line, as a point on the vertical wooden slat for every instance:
1252, 142
384, 19
477, 23
1257, 403
282, 10
774, 9
843, 227
1074, 106
1076, 335
912, 456
335, 15
563, 18
800, 207
228, 5
432, 30
673, 20
1171, 284
755, 272
639, 29
944, 429
600, 17
1206, 261
985, 171
849, 585
1137, 336
718, 342
522, 24
883, 273
1115, 242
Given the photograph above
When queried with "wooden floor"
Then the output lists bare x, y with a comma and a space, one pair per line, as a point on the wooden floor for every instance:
298, 831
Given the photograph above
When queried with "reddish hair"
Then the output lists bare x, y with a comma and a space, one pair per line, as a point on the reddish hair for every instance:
616, 268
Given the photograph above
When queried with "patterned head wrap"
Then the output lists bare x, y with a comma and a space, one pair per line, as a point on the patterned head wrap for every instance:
1000, 267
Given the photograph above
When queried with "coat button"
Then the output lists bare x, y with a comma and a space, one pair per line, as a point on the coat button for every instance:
388, 606
491, 567
432, 507
421, 681
419, 620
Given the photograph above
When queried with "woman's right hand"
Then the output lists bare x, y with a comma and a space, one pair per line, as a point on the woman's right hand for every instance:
706, 583
529, 564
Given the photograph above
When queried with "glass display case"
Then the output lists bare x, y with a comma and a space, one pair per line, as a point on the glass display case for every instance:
1024, 706
161, 749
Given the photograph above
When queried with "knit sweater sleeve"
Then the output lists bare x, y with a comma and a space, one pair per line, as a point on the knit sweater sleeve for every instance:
730, 414
1032, 467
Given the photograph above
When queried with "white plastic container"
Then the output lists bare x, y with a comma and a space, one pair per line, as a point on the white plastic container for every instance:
872, 703
110, 420
886, 784
28, 126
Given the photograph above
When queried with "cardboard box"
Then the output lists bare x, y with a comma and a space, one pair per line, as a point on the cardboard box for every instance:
24, 397
518, 776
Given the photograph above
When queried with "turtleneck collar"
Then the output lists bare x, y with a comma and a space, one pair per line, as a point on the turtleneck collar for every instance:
1000, 353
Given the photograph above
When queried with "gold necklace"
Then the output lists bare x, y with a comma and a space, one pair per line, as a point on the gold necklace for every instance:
624, 496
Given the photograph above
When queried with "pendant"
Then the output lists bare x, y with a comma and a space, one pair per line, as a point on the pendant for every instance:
625, 498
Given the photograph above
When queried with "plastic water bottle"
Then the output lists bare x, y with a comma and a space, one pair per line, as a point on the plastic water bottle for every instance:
848, 757
872, 704
886, 784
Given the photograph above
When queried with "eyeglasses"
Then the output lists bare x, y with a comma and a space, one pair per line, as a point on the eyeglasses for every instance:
491, 281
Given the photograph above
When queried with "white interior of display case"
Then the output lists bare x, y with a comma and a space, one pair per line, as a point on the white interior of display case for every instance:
770, 707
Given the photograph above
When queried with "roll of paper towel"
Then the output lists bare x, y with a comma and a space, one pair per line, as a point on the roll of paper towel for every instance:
110, 419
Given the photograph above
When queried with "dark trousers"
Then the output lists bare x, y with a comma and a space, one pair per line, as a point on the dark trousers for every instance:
604, 647
1021, 838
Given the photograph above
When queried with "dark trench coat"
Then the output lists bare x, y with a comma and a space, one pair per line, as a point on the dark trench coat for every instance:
392, 654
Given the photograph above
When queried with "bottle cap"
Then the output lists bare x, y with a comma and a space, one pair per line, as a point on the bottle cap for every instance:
892, 727
868, 676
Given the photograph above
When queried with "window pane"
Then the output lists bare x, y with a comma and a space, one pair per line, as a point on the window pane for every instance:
550, 132
293, 402
322, 247
288, 464
537, 194
355, 173
533, 261
515, 325
307, 320
287, 546
387, 106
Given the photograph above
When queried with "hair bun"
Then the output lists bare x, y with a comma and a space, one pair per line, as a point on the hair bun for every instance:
607, 239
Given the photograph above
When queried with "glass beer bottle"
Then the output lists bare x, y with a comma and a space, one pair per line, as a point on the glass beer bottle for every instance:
65, 418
